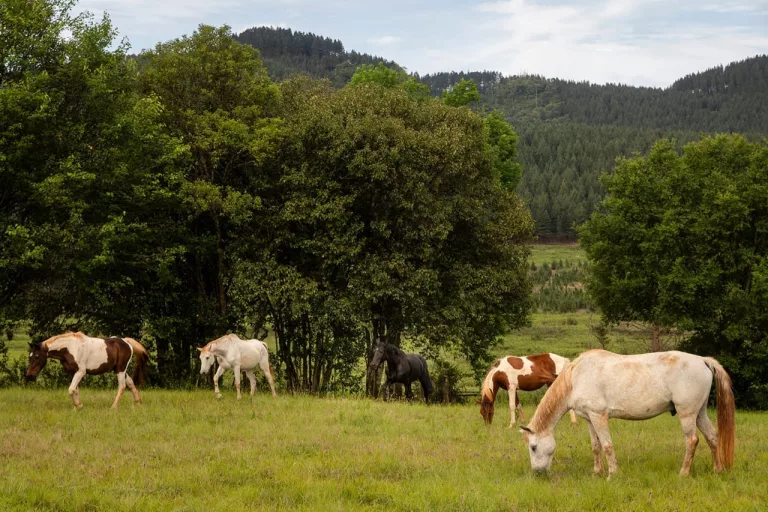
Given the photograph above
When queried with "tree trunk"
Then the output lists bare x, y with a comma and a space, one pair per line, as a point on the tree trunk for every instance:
446, 390
656, 339
220, 291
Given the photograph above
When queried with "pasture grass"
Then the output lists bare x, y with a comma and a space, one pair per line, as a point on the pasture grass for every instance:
17, 345
569, 334
184, 450
547, 253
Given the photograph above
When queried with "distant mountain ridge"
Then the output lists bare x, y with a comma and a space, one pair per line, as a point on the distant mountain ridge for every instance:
570, 132
286, 52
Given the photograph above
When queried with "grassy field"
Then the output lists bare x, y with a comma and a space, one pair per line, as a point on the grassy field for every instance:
185, 450
547, 253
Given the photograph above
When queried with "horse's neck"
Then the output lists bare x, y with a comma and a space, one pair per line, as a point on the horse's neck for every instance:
490, 388
549, 411
394, 356
72, 344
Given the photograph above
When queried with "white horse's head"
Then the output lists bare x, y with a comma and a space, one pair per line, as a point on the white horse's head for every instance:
541, 448
206, 360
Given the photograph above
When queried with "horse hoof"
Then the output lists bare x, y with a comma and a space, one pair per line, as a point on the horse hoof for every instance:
218, 395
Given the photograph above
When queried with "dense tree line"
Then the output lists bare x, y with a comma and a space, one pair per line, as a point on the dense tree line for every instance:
287, 53
680, 242
183, 194
571, 132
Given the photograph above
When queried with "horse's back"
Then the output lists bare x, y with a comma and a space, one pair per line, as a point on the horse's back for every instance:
641, 385
252, 352
418, 365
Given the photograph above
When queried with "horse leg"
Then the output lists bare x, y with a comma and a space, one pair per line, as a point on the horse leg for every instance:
252, 380
219, 372
513, 401
73, 392
688, 422
705, 425
237, 381
264, 365
385, 390
120, 389
132, 387
573, 416
519, 407
408, 392
600, 424
424, 388
597, 451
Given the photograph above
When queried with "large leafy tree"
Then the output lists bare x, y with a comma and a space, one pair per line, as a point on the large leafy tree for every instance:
218, 100
82, 156
682, 240
397, 224
390, 78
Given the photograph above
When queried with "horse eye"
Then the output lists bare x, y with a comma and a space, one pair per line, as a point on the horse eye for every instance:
533, 449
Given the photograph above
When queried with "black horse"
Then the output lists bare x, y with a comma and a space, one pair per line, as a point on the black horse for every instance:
402, 368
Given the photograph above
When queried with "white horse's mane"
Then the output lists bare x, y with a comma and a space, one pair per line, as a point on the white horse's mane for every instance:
551, 404
220, 341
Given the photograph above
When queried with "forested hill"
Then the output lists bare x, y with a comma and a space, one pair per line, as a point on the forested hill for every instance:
722, 99
570, 132
287, 53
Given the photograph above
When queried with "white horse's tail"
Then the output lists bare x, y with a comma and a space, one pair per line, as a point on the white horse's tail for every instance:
726, 413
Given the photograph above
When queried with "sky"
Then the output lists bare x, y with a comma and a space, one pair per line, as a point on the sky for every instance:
636, 42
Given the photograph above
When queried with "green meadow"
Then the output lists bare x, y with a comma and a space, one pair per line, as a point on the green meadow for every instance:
185, 450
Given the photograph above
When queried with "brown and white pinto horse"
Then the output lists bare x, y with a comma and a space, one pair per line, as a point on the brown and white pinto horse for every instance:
512, 373
82, 355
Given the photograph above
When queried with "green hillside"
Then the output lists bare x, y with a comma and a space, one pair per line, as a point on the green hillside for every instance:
570, 132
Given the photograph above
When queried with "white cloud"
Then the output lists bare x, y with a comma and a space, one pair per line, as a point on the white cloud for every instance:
385, 40
640, 42
157, 11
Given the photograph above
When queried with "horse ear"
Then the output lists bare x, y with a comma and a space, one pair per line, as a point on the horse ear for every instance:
478, 401
524, 429
198, 348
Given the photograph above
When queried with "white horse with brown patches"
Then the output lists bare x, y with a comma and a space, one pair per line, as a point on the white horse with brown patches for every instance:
600, 385
235, 354
81, 355
514, 373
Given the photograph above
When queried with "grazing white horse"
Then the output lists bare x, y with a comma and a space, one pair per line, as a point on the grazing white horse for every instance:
599, 385
235, 354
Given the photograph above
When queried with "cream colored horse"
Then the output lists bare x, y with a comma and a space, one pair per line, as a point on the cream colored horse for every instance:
600, 385
235, 354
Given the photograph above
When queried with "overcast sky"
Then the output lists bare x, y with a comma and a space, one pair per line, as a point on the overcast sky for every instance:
638, 42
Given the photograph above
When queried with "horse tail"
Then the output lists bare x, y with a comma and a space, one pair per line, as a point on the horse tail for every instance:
142, 358
426, 381
726, 412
